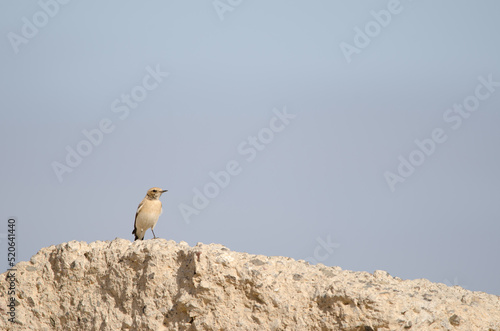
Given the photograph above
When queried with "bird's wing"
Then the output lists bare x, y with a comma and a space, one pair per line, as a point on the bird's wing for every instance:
137, 213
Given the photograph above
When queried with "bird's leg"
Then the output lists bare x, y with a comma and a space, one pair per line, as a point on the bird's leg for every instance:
153, 233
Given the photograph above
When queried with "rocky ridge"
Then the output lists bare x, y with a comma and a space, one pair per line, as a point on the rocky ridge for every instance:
164, 285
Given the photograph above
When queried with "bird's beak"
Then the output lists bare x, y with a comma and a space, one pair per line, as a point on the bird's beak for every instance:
164, 191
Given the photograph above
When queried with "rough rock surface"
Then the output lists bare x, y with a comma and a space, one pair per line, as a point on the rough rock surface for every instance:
162, 285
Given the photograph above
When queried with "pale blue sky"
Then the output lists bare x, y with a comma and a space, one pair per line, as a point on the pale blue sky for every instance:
315, 187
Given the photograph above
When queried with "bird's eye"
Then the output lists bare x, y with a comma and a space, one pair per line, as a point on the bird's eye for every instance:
154, 191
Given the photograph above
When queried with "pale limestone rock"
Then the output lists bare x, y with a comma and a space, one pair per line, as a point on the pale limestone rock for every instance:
162, 285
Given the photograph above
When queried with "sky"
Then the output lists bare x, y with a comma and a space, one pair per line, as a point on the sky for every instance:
355, 134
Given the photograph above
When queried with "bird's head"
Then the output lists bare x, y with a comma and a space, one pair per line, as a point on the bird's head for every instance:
155, 192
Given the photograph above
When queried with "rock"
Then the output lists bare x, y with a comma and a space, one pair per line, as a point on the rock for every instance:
162, 285
455, 320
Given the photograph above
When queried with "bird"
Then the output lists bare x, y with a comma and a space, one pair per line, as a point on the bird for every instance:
148, 212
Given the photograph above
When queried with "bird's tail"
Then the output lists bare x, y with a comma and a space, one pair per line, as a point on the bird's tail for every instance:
135, 235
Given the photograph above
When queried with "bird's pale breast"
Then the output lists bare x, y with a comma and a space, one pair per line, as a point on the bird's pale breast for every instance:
149, 213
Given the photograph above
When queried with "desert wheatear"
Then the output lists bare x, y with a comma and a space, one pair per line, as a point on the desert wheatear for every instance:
147, 213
